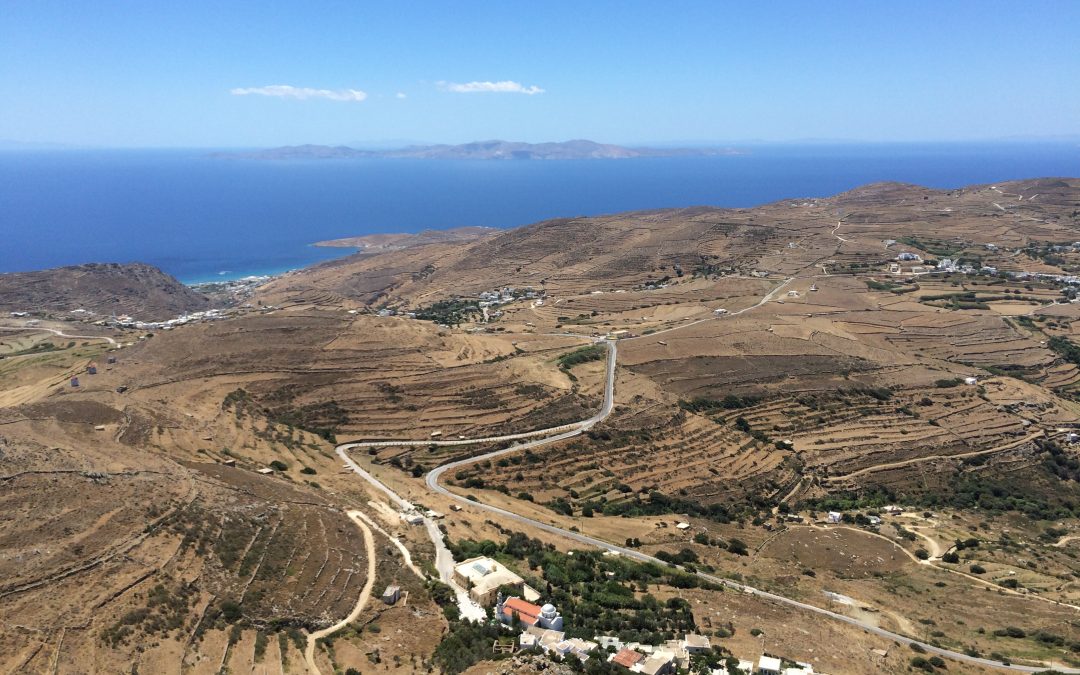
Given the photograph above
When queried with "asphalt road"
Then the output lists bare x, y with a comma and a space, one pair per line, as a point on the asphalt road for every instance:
434, 475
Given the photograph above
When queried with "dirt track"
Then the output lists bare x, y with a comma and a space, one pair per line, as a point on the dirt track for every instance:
365, 595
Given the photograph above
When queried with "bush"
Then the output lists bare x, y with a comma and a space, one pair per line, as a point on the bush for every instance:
922, 554
260, 645
279, 465
977, 569
231, 611
308, 471
738, 547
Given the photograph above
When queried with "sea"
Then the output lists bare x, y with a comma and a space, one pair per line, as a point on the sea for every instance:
203, 218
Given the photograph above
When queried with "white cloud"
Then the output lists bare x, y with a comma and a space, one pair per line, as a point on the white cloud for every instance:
503, 87
400, 94
301, 93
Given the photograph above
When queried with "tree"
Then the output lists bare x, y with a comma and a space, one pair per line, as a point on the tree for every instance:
738, 547
231, 611
922, 554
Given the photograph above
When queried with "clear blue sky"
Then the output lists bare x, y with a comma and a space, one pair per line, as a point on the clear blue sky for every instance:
123, 73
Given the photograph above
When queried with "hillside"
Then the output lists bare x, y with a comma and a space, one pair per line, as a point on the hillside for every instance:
621, 251
186, 507
479, 150
102, 289
840, 324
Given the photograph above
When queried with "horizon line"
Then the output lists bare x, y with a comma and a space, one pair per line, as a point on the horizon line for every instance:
15, 145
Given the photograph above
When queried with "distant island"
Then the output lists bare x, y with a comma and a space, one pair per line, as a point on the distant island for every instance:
397, 241
503, 150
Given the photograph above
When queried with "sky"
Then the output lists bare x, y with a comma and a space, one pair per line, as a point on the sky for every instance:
237, 74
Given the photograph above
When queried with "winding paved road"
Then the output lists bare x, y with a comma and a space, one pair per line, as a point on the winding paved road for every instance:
432, 481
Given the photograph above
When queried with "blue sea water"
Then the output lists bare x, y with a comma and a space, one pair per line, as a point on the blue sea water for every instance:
201, 218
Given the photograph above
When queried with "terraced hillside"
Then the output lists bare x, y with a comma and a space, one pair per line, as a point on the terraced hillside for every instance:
842, 233
363, 376
121, 552
183, 507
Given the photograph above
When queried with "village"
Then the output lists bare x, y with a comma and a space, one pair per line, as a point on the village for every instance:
541, 629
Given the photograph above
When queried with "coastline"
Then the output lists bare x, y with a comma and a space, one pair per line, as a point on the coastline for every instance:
233, 276
168, 208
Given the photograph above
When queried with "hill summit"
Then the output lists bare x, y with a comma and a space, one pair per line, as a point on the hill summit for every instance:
135, 289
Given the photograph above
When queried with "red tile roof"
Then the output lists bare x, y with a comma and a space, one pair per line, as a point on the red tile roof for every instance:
527, 612
628, 658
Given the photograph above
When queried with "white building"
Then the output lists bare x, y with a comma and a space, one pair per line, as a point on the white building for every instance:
694, 643
483, 577
547, 640
513, 609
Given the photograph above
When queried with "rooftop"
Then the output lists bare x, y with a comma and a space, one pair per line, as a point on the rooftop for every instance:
486, 575
527, 612
627, 658
695, 641
656, 663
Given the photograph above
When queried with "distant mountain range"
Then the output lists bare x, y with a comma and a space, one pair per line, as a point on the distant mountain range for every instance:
578, 149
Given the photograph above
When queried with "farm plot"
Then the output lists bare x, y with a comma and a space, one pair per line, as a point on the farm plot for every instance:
690, 456
376, 377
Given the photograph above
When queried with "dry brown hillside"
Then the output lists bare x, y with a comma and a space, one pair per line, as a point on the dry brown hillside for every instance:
622, 251
183, 509
837, 377
141, 291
